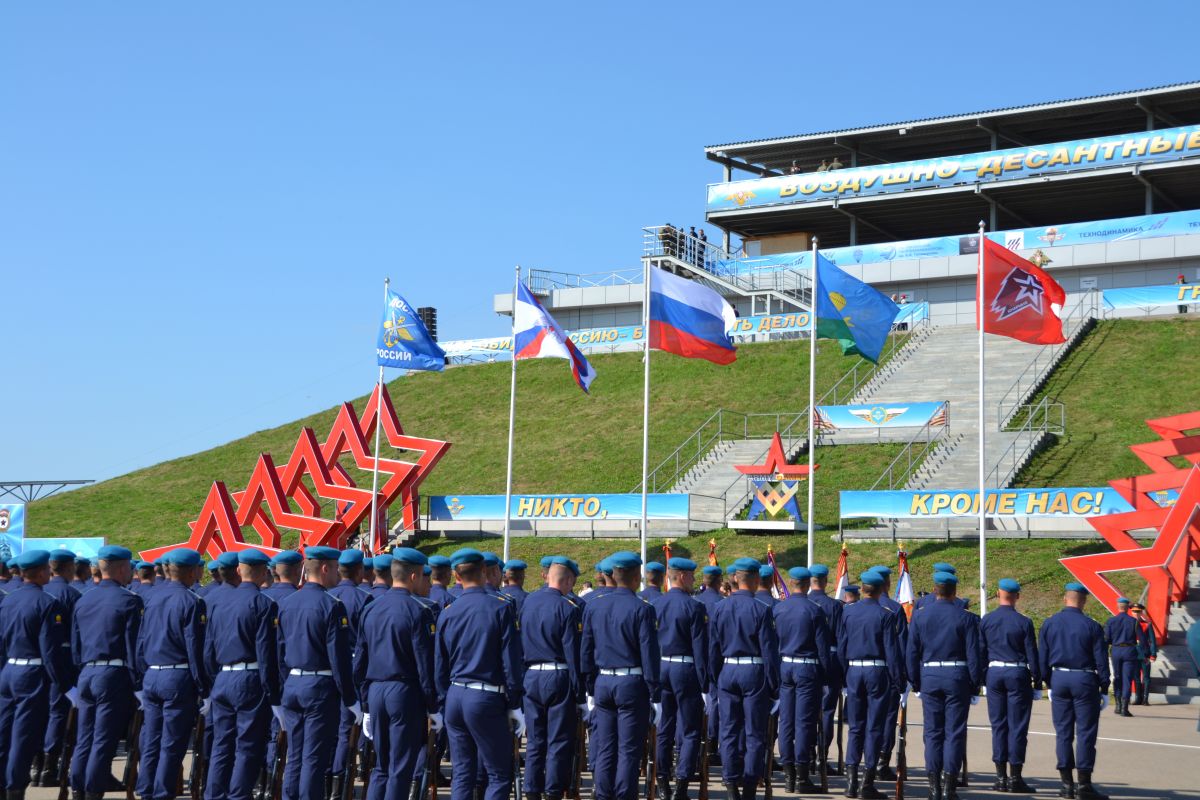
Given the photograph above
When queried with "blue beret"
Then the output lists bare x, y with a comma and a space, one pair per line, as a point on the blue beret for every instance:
438, 561
732, 568
407, 555
766, 572
947, 578
870, 578
747, 565
565, 562
426, 570
213, 566
351, 558
490, 559
1076, 586
12, 562
158, 562
942, 566
799, 573
1124, 600
605, 566
546, 561
287, 557
382, 561
850, 588
368, 562
322, 553
684, 564
62, 554
33, 558
654, 566
625, 559
1009, 585
515, 563
182, 557
255, 558
95, 562
466, 555
819, 571
712, 569
144, 565
227, 559
114, 552
882, 570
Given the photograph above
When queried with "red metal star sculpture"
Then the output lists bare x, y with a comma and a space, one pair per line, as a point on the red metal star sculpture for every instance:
776, 464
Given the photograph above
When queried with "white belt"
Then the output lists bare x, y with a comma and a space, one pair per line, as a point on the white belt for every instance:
1020, 664
798, 660
325, 672
622, 671
944, 664
867, 663
480, 687
1072, 669
169, 666
112, 662
744, 660
547, 666
241, 666
25, 662
679, 659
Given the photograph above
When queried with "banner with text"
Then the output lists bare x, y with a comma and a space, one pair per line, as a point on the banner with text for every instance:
1145, 147
471, 507
1176, 294
882, 415
12, 529
1058, 502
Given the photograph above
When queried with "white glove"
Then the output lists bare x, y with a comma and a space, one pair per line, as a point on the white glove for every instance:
591, 704
775, 708
205, 706
141, 698
73, 696
277, 711
983, 691
974, 699
708, 703
904, 696
1037, 694
1048, 697
436, 723
517, 717
845, 692
1103, 702
657, 707
366, 726
357, 711
917, 695
583, 710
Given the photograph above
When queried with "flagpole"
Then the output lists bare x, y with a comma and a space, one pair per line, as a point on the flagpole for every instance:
378, 428
645, 401
982, 311
512, 410
812, 398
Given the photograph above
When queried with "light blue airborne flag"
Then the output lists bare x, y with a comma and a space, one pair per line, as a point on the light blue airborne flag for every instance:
857, 315
404, 342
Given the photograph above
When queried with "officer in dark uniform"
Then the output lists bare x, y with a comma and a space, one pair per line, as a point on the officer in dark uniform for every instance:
551, 627
873, 662
439, 581
32, 635
477, 663
394, 670
105, 629
170, 656
1124, 635
832, 689
241, 652
355, 601
804, 649
620, 658
62, 568
766, 581
945, 665
1013, 682
1075, 663
744, 660
889, 734
683, 644
383, 574
514, 582
288, 566
314, 658
655, 575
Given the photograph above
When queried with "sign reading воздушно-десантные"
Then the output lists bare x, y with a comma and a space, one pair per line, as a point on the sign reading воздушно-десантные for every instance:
471, 507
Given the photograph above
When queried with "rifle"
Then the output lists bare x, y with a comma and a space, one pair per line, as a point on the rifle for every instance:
580, 758
822, 764
281, 745
368, 767
517, 767
134, 755
196, 775
651, 763
68, 751
901, 751
841, 711
431, 763
704, 746
962, 776
351, 753
768, 791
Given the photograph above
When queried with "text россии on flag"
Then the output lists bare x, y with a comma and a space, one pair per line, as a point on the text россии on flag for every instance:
537, 335
689, 320
403, 341
1023, 302
859, 316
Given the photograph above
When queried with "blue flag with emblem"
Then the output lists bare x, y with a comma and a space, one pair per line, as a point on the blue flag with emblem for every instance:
859, 316
404, 342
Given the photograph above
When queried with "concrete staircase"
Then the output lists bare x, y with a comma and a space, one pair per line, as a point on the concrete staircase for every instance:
1173, 675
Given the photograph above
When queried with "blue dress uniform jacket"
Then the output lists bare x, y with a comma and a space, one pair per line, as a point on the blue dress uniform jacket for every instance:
60, 706
393, 667
620, 658
170, 658
893, 709
314, 659
804, 650
1124, 635
1013, 672
355, 600
650, 594
710, 597
32, 657
1075, 664
440, 595
744, 660
105, 630
516, 594
241, 651
834, 678
551, 628
926, 600
873, 662
477, 663
683, 645
945, 665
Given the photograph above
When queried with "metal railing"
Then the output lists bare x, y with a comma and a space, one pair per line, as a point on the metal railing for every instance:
1037, 420
910, 458
543, 281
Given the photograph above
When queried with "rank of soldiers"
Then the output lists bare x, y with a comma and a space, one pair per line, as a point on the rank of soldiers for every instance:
301, 677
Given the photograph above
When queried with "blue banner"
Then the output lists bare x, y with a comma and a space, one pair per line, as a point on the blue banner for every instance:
1171, 144
1058, 502
403, 340
1177, 294
82, 547
882, 415
471, 507
12, 529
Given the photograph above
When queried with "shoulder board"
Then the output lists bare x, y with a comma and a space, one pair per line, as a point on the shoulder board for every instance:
570, 602
335, 598
644, 600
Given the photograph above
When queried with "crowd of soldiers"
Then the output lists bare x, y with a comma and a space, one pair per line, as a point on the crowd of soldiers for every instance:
298, 676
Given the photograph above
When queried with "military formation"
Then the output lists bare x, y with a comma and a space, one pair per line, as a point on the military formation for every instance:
304, 677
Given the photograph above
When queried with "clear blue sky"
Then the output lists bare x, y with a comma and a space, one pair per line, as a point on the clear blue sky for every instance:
200, 201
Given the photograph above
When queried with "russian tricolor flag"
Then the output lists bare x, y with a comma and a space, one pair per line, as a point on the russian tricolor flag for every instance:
537, 335
689, 320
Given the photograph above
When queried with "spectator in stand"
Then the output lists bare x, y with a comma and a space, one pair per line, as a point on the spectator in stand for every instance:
824, 166
794, 169
835, 164
693, 246
703, 247
1181, 281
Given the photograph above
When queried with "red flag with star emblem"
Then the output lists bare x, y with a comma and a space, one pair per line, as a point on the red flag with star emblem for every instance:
1021, 300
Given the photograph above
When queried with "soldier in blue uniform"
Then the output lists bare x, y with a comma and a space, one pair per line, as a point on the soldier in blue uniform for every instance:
105, 628
1075, 662
744, 660
551, 627
832, 689
46, 767
214, 575
1125, 636
1147, 654
439, 581
928, 599
355, 601
241, 653
83, 574
683, 645
885, 771
655, 575
32, 635
872, 661
170, 657
710, 595
477, 662
288, 566
368, 574
394, 670
945, 665
804, 649
514, 582
1014, 681
766, 581
383, 574
850, 594
314, 660
142, 581
620, 658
